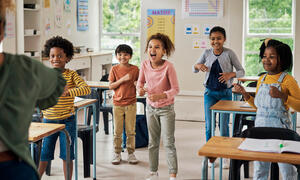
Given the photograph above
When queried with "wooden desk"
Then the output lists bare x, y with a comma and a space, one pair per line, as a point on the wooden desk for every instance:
83, 104
98, 84
37, 131
235, 107
248, 78
226, 147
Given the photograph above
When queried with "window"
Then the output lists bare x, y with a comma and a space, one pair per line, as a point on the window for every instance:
121, 25
265, 19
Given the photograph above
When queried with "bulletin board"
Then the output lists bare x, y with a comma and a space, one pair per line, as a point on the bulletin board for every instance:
161, 21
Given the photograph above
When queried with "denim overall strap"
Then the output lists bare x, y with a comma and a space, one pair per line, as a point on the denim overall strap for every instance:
271, 112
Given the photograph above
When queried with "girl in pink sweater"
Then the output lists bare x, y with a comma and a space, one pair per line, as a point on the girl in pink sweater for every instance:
160, 78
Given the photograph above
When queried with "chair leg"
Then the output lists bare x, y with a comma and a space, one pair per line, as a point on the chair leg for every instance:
48, 169
274, 171
86, 154
246, 169
105, 121
234, 170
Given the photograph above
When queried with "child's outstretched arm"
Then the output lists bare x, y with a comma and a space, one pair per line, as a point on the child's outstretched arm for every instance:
81, 88
201, 67
239, 88
116, 84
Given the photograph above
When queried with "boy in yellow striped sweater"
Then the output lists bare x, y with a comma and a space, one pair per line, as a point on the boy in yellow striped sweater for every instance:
60, 52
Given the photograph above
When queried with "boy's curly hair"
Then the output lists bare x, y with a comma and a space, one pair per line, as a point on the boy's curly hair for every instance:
283, 50
58, 41
165, 40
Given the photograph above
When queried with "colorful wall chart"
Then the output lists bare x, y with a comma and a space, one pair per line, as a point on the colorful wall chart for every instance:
82, 15
161, 21
202, 8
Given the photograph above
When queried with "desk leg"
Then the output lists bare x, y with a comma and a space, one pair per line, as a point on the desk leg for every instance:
94, 141
75, 147
213, 123
294, 120
68, 140
205, 168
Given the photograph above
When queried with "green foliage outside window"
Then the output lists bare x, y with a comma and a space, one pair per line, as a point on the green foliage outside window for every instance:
267, 19
121, 25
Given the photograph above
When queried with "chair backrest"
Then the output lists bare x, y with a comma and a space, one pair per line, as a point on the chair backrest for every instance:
270, 133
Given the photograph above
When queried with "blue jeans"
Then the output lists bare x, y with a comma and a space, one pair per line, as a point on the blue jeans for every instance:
210, 98
50, 141
15, 170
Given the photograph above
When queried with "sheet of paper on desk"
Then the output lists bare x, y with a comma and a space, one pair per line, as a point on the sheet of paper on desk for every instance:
261, 145
270, 145
77, 99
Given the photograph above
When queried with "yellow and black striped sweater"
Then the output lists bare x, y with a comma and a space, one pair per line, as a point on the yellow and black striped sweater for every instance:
65, 105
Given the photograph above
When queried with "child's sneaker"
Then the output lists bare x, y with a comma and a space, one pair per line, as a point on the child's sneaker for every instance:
152, 176
117, 159
132, 159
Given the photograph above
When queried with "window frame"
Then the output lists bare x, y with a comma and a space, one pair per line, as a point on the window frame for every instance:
102, 33
246, 33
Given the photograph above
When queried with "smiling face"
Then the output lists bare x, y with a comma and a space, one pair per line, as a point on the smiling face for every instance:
217, 40
58, 58
123, 57
156, 51
271, 61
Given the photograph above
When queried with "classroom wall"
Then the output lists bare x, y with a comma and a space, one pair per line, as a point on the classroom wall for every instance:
89, 38
189, 103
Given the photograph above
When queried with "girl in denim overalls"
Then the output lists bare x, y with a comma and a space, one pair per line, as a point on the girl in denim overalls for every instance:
276, 92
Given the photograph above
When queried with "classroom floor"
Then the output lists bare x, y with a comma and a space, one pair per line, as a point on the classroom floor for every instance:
189, 136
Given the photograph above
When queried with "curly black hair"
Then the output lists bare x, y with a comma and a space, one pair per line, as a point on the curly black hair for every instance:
58, 41
165, 40
283, 50
123, 48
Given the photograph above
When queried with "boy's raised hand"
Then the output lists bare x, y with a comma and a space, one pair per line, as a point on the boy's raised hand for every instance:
275, 93
201, 67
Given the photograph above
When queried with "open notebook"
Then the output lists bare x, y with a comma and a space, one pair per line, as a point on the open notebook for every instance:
270, 145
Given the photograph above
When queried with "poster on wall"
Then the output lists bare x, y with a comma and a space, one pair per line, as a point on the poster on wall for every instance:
202, 8
10, 28
161, 21
47, 4
82, 15
58, 17
67, 5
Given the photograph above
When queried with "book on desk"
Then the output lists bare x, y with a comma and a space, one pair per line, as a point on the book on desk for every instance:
270, 145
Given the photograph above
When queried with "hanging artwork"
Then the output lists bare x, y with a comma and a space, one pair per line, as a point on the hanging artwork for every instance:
161, 21
202, 8
67, 5
82, 15
58, 13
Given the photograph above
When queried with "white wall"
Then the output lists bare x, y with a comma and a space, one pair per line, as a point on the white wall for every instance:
189, 104
89, 38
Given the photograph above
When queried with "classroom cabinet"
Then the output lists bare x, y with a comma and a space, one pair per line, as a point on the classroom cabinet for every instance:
30, 29
91, 66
